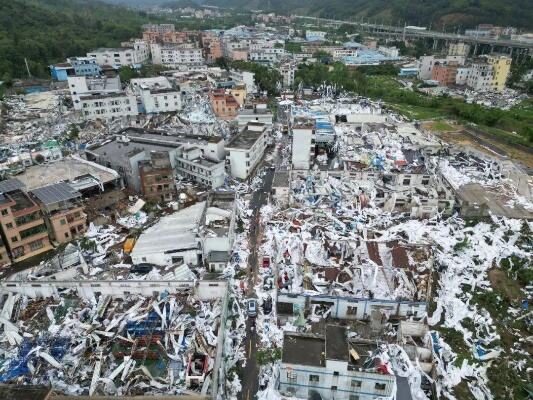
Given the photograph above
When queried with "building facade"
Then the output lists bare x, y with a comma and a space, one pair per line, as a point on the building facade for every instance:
108, 106
174, 55
157, 177
246, 149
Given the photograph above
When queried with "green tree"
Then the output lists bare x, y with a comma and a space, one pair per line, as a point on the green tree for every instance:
127, 73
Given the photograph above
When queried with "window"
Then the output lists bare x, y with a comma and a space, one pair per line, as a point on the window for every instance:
351, 310
355, 383
314, 378
14, 239
66, 234
425, 181
335, 373
5, 212
406, 182
38, 244
9, 225
291, 377
380, 386
63, 222
334, 388
354, 397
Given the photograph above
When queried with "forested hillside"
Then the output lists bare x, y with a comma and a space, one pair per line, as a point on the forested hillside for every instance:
48, 31
451, 13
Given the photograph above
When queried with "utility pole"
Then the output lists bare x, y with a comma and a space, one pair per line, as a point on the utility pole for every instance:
27, 67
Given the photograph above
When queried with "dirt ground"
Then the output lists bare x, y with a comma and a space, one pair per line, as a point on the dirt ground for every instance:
455, 136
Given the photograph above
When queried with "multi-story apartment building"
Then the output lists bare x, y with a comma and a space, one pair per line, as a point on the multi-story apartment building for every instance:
246, 149
444, 73
84, 66
160, 29
267, 55
108, 106
191, 164
212, 46
489, 73
246, 77
84, 86
303, 143
157, 177
63, 211
115, 57
24, 230
480, 76
224, 105
124, 152
256, 112
157, 101
501, 68
5, 261
174, 55
332, 366
288, 71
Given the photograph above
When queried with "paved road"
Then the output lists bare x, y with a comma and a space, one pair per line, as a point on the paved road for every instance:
251, 370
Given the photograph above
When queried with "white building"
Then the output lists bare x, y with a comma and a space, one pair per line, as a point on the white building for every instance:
141, 52
173, 239
246, 149
191, 164
303, 138
246, 77
332, 366
315, 36
267, 55
258, 113
117, 57
288, 72
157, 101
462, 75
108, 106
84, 86
152, 83
174, 55
459, 49
425, 66
389, 51
480, 76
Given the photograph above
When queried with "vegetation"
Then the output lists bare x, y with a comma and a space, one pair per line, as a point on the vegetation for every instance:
265, 78
439, 13
47, 31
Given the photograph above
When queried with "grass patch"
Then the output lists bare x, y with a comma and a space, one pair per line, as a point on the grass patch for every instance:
417, 112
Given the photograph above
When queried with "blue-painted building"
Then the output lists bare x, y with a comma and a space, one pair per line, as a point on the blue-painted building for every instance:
85, 66
60, 72
408, 72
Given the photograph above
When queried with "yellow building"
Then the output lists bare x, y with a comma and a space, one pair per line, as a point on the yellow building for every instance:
239, 92
501, 68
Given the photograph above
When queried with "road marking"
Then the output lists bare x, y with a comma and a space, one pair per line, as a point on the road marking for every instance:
250, 349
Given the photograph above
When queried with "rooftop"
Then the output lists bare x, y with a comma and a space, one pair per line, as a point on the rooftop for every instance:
244, 140
55, 193
10, 184
336, 346
103, 96
303, 349
66, 170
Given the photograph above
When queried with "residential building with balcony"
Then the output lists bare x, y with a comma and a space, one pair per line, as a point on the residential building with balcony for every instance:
23, 227
175, 55
63, 211
116, 57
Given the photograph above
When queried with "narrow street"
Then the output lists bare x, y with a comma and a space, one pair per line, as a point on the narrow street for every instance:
251, 370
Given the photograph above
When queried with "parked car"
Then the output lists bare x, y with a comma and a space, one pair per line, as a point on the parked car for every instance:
251, 307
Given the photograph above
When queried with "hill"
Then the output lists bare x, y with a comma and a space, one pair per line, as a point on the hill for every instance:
48, 31
450, 13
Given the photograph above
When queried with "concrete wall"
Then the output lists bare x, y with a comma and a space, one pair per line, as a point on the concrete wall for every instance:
301, 387
359, 308
205, 290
